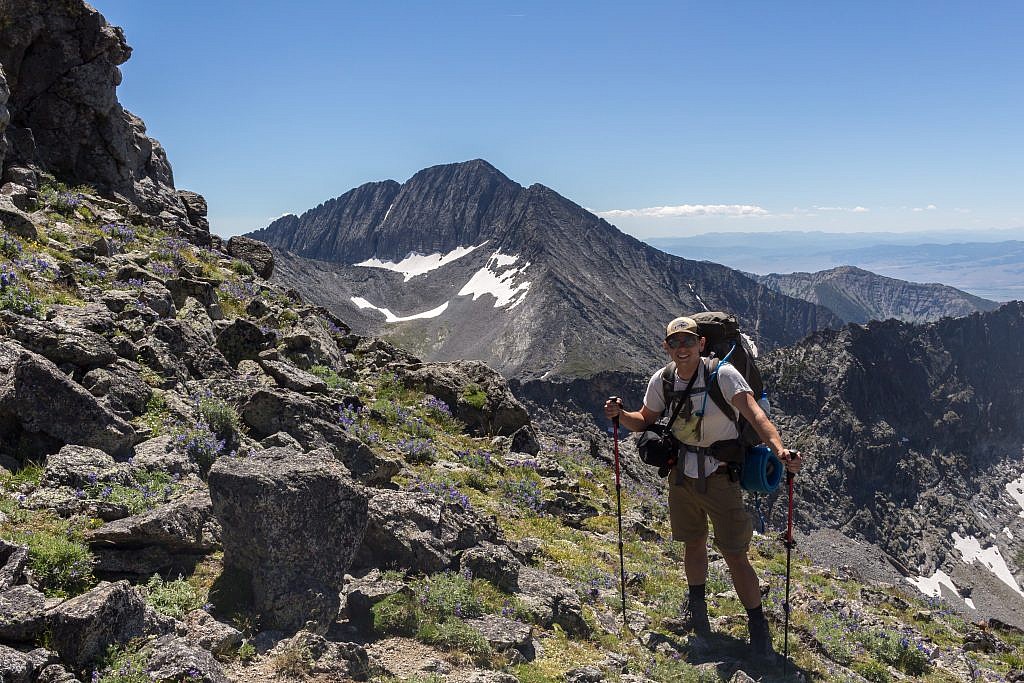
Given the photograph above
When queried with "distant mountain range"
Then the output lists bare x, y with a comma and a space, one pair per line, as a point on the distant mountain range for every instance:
989, 264
857, 295
461, 262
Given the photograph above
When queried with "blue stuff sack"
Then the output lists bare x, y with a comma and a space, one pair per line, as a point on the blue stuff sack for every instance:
762, 470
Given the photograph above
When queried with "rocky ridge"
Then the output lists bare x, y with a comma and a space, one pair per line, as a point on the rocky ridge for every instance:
916, 446
857, 295
530, 283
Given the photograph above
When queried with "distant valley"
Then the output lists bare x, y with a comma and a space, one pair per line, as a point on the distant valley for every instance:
987, 264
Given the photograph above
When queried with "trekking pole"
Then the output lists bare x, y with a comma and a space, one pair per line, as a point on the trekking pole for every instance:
789, 550
618, 500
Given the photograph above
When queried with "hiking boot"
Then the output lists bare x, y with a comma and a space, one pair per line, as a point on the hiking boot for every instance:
761, 640
699, 617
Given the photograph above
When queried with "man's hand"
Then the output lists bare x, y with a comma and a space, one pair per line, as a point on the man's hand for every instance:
792, 459
612, 407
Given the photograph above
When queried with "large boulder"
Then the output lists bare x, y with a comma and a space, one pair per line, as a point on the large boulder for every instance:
171, 536
79, 466
22, 610
552, 601
196, 351
81, 629
59, 343
38, 396
257, 254
290, 524
178, 659
313, 424
421, 531
478, 395
241, 340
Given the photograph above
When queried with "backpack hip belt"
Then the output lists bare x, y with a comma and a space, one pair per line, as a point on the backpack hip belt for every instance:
728, 450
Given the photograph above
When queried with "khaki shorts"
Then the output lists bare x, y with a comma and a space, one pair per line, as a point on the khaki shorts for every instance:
688, 512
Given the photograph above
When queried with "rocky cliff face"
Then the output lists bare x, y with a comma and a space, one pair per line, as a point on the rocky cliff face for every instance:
858, 296
531, 283
60, 63
915, 442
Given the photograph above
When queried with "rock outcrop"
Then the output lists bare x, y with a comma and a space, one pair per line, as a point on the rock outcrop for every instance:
291, 525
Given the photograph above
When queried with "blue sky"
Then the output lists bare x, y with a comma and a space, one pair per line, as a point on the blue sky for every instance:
669, 118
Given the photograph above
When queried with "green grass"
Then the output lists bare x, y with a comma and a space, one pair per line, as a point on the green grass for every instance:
474, 395
58, 556
173, 598
332, 379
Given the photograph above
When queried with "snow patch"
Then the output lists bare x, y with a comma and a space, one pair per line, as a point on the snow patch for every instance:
392, 318
971, 551
697, 296
387, 213
1016, 490
417, 264
490, 280
969, 603
932, 585
1009, 534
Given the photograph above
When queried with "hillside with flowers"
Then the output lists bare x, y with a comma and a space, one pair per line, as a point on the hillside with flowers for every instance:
204, 478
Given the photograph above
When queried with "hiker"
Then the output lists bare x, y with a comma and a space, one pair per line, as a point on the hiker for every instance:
701, 486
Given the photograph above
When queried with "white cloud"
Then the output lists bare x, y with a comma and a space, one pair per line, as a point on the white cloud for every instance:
686, 211
930, 207
854, 209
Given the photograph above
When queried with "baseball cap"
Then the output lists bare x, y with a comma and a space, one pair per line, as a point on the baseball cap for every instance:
682, 324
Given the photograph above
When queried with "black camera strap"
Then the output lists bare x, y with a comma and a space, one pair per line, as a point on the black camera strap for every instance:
683, 399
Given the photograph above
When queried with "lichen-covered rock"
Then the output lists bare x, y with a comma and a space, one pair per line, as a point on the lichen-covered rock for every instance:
241, 340
552, 600
83, 627
13, 559
257, 254
365, 592
79, 466
340, 661
505, 634
22, 610
420, 531
268, 411
36, 394
59, 343
120, 387
200, 628
15, 667
496, 563
177, 659
188, 344
291, 377
152, 540
478, 395
290, 524
158, 455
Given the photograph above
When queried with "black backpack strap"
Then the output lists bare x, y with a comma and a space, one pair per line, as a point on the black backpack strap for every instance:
668, 382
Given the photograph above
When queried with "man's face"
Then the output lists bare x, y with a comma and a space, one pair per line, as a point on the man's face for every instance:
687, 349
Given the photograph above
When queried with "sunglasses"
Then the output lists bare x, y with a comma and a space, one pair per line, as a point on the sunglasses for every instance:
686, 341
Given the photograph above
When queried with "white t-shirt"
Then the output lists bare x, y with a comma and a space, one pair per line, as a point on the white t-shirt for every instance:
715, 426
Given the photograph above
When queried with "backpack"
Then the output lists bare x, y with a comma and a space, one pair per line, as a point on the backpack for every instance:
723, 343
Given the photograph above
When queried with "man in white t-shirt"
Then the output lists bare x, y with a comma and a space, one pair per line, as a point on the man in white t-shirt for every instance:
700, 486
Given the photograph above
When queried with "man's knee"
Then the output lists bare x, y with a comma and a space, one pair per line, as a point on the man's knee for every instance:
737, 560
697, 545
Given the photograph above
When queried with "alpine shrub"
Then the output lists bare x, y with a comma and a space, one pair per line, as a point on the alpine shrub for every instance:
172, 598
